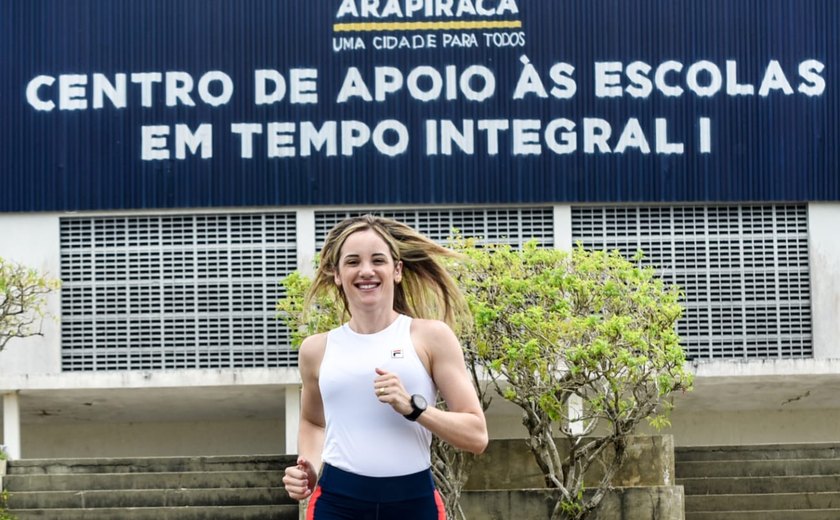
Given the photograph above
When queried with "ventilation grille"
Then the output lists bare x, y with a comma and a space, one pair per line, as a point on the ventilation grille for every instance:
167, 292
501, 226
744, 271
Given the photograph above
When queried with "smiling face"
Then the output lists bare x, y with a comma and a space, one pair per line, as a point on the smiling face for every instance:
366, 271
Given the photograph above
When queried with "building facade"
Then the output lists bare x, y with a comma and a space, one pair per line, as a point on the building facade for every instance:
172, 164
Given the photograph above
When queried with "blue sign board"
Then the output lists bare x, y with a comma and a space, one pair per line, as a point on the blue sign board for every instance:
228, 103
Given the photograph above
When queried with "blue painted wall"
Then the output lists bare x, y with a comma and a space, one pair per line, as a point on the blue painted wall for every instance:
60, 150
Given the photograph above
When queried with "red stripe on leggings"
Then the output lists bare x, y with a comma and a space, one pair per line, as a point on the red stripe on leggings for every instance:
310, 510
440, 507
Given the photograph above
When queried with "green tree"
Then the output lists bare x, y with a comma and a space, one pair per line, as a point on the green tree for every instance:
22, 301
4, 501
584, 343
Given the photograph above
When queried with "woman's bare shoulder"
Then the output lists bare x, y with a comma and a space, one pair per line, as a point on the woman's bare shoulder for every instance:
434, 334
314, 341
312, 348
432, 327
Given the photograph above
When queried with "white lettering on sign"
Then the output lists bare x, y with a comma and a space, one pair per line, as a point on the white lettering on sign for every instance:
424, 8
538, 86
270, 86
703, 79
287, 139
424, 83
81, 91
558, 136
155, 142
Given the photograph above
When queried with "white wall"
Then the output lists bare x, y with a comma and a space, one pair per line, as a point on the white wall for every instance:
34, 240
693, 427
824, 252
718, 428
152, 439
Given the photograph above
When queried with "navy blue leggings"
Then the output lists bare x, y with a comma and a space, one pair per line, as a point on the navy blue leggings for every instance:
341, 495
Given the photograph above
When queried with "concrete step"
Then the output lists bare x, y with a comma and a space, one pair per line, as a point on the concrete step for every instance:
757, 468
751, 502
149, 498
760, 485
151, 488
112, 481
287, 512
763, 482
801, 514
758, 452
150, 464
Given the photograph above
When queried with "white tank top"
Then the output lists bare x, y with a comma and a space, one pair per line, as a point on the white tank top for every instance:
362, 435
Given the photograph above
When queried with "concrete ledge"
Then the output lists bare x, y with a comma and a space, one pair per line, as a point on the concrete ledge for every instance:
630, 503
135, 465
508, 464
775, 451
763, 367
275, 512
151, 379
129, 498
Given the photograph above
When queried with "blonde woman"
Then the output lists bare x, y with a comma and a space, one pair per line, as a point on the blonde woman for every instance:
369, 386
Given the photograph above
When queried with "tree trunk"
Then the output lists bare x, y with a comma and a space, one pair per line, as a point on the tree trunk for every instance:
451, 468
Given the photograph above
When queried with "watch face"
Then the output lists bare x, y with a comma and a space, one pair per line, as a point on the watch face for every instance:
419, 401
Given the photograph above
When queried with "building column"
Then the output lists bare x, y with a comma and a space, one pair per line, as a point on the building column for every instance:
563, 228
11, 424
306, 242
563, 242
576, 425
824, 256
292, 418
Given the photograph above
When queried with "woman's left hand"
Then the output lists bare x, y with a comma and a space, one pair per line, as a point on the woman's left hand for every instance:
389, 389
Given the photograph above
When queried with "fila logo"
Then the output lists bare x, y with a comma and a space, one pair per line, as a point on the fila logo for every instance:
397, 353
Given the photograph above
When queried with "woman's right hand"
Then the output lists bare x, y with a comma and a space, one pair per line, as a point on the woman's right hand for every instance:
300, 480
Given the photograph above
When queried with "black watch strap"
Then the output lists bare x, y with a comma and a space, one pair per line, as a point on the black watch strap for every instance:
418, 406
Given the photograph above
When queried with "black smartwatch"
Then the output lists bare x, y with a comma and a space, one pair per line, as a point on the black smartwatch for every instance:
418, 406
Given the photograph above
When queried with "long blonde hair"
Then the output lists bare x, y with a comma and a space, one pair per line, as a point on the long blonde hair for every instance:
427, 290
